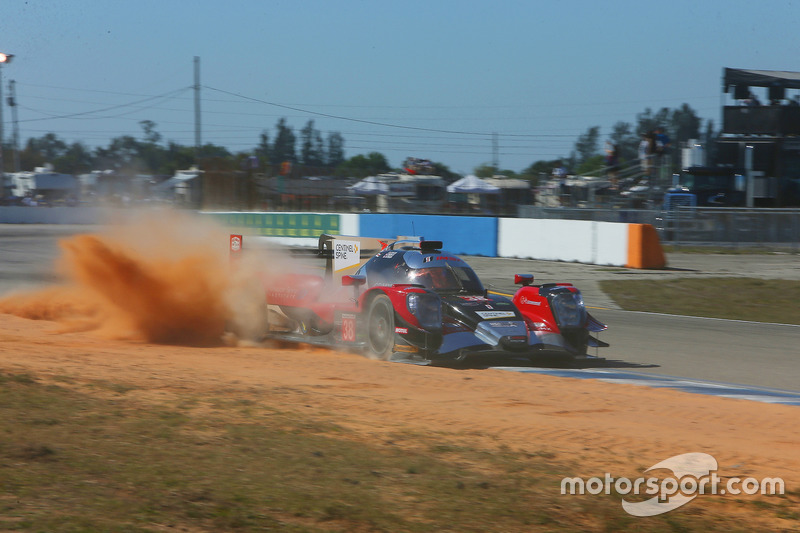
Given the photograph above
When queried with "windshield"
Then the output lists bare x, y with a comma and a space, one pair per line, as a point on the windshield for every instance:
447, 278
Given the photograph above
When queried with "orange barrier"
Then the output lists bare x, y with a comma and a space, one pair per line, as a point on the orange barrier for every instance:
644, 247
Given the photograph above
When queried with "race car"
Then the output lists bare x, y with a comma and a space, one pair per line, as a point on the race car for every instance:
414, 301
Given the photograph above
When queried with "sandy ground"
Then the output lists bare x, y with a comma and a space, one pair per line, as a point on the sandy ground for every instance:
621, 429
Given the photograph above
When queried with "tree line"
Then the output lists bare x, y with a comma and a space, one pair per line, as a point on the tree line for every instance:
326, 154
148, 155
588, 154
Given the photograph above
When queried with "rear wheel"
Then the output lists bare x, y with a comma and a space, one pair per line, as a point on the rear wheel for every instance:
380, 335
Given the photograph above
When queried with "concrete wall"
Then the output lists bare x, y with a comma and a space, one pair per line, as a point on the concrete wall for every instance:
55, 215
461, 235
599, 243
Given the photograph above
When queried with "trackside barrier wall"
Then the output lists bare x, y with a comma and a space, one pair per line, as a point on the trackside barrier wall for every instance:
599, 243
461, 235
290, 229
644, 247
54, 215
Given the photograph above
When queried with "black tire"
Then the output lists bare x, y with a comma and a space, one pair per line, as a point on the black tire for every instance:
380, 328
579, 340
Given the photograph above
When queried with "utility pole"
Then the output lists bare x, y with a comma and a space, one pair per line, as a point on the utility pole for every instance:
4, 58
197, 139
495, 153
2, 163
12, 103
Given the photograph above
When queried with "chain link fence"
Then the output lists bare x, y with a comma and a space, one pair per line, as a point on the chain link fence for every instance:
734, 227
773, 228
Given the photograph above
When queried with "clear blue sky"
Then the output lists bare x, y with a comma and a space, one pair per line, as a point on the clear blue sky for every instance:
536, 73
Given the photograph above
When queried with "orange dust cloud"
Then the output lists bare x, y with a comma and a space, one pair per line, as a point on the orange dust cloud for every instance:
161, 278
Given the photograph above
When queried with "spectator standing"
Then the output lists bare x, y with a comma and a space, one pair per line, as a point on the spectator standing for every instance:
662, 145
662, 141
560, 174
612, 163
646, 151
752, 101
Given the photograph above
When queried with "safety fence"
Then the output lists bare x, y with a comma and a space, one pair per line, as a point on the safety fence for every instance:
730, 227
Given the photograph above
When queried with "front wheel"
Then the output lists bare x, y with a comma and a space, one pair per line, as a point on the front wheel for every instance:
578, 339
380, 334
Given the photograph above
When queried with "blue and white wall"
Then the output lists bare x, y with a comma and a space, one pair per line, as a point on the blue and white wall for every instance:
599, 243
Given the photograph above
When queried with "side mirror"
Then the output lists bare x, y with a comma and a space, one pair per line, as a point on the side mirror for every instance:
354, 281
523, 279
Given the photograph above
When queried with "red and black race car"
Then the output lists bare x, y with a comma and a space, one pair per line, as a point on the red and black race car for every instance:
414, 301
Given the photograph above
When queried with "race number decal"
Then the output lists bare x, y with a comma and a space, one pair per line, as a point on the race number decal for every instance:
236, 244
346, 254
348, 328
236, 249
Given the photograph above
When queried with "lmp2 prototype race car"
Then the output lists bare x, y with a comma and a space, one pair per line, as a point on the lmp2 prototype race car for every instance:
413, 301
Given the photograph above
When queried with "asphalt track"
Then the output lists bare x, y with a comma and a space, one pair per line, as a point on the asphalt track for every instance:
646, 348
726, 351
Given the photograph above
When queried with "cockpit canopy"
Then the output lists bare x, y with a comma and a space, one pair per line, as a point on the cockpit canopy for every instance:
439, 271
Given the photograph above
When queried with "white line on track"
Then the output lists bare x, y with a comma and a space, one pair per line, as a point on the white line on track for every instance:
712, 388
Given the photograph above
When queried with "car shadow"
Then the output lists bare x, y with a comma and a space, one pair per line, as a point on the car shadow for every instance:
477, 363
665, 269
611, 363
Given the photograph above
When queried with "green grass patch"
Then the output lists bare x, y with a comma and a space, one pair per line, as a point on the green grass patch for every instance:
73, 459
766, 249
733, 298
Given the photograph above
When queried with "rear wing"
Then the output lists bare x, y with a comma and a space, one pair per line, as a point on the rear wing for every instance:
345, 254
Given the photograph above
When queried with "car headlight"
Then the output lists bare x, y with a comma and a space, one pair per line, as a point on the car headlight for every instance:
568, 309
427, 308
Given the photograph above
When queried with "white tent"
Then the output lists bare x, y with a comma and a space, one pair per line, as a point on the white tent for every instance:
472, 185
180, 180
370, 185
383, 185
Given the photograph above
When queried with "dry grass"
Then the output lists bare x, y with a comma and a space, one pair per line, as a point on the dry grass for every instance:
734, 298
96, 457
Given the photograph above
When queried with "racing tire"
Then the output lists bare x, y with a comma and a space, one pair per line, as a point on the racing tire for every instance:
380, 329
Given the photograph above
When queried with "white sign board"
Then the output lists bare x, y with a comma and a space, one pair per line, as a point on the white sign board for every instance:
346, 254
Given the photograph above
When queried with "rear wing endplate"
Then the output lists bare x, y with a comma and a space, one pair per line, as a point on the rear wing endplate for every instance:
344, 254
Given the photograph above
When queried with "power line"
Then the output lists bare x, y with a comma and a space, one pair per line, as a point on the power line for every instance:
109, 108
338, 117
510, 143
377, 123
176, 94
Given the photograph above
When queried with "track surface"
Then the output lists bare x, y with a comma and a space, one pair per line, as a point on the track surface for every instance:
730, 351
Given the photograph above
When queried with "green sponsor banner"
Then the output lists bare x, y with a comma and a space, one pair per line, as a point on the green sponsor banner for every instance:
280, 224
